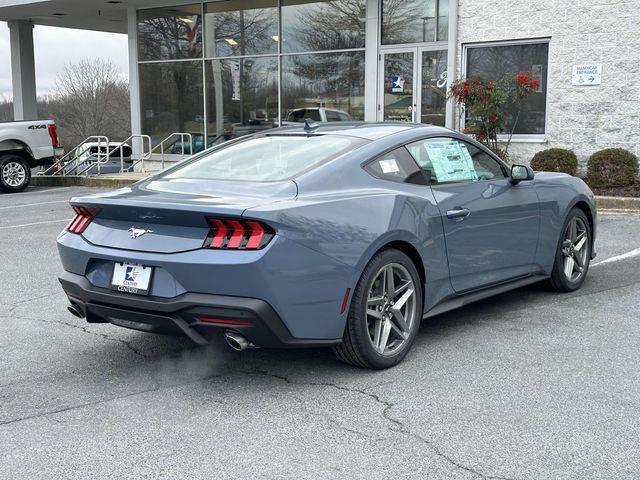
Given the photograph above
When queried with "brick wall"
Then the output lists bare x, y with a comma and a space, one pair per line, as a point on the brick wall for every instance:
584, 119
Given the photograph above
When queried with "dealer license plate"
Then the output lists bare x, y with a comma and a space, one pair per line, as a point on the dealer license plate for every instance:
131, 278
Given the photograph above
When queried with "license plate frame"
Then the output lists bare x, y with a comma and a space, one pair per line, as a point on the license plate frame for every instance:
131, 278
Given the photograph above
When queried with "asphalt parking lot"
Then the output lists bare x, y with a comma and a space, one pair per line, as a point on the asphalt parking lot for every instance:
529, 385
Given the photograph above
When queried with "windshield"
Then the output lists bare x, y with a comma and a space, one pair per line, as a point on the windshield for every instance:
268, 158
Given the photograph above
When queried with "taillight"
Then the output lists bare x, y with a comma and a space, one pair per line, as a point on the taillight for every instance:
81, 221
53, 133
234, 234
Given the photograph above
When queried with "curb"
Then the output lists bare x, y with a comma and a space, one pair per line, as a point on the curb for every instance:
73, 181
623, 205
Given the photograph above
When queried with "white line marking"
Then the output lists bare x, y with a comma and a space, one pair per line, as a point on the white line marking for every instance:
35, 223
33, 204
619, 258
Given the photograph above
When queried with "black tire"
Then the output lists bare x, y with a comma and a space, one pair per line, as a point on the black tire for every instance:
559, 280
15, 173
357, 347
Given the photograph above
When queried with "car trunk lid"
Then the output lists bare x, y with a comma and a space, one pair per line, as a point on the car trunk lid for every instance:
170, 216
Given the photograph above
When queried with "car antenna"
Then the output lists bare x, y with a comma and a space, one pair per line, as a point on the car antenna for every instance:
310, 126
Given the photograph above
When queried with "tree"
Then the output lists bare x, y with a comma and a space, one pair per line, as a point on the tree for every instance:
91, 98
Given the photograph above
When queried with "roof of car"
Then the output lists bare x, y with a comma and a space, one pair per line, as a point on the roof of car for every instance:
366, 130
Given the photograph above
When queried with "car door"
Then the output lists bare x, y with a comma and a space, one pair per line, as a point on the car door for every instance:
491, 226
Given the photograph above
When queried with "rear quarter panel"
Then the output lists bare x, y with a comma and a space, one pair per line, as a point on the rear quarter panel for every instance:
348, 215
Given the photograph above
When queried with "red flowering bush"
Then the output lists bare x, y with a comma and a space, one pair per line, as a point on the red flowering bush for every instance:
485, 104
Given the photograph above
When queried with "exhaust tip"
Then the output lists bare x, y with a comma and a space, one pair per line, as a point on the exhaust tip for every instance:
236, 341
75, 311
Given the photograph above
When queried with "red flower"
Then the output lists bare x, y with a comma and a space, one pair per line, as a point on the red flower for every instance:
493, 117
522, 79
535, 84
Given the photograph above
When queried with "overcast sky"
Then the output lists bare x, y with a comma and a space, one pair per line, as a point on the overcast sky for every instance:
55, 47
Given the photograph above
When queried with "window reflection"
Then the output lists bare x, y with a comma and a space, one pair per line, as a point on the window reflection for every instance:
434, 87
414, 21
170, 33
312, 26
242, 96
329, 80
498, 62
171, 98
241, 28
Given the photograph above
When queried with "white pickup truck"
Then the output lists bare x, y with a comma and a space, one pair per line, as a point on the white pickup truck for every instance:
23, 146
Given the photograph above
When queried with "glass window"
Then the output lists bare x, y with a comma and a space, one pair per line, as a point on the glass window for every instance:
498, 62
170, 33
171, 98
434, 87
268, 158
414, 21
326, 25
447, 160
242, 95
396, 166
234, 28
331, 80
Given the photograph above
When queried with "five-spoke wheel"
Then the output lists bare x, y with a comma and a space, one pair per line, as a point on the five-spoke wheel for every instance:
573, 254
385, 312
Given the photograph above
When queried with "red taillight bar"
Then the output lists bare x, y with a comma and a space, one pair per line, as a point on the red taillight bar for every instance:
233, 234
81, 221
53, 133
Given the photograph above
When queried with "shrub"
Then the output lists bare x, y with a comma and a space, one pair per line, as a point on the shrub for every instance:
555, 160
612, 167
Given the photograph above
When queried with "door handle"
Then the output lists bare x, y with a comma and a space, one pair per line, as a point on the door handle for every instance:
458, 213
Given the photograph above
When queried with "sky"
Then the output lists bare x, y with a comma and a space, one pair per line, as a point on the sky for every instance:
55, 47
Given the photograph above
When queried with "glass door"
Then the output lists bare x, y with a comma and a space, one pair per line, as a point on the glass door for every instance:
413, 85
398, 90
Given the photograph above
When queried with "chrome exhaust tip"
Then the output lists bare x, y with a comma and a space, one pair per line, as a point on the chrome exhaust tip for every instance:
75, 311
236, 341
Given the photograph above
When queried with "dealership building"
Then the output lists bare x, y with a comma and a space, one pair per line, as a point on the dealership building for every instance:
227, 68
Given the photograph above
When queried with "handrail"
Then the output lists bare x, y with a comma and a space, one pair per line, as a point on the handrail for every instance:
69, 163
120, 146
182, 136
60, 163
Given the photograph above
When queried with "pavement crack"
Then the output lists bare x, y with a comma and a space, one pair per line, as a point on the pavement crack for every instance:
11, 310
156, 388
396, 425
105, 336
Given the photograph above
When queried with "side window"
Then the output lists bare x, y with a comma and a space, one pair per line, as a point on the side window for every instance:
332, 116
344, 117
397, 166
447, 160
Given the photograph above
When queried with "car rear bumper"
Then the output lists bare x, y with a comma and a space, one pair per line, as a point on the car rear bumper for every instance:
197, 316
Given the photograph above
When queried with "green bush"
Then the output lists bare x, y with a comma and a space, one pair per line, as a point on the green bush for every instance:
612, 167
555, 160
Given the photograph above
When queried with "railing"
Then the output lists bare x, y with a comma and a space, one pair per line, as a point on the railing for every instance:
175, 134
72, 162
69, 161
144, 155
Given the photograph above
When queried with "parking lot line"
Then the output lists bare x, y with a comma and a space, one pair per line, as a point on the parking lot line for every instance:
619, 258
34, 223
33, 204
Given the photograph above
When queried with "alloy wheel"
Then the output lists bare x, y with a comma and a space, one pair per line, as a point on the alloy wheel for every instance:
575, 249
391, 309
14, 174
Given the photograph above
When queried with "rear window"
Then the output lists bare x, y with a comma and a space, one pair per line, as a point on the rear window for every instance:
268, 158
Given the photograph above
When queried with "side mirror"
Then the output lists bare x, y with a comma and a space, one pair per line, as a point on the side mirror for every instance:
520, 173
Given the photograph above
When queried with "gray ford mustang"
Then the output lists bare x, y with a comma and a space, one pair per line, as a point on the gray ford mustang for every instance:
344, 235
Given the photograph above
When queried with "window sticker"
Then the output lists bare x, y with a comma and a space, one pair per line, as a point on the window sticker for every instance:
389, 166
451, 161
